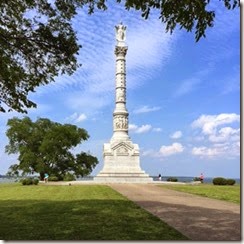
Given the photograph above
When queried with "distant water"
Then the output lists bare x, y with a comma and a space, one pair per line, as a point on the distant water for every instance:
190, 179
164, 178
155, 178
8, 180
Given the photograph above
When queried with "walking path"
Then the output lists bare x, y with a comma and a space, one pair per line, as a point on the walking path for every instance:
198, 218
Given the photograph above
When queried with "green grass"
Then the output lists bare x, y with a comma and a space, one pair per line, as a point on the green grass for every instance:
227, 193
91, 212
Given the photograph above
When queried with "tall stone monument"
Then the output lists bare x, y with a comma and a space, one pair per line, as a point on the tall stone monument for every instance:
121, 156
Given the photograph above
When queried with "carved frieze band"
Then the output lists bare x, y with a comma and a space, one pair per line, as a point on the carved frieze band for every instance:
120, 50
120, 122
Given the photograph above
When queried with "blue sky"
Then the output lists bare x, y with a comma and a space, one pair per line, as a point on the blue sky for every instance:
183, 97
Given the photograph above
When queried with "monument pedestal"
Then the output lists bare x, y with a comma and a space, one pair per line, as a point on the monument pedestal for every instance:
122, 163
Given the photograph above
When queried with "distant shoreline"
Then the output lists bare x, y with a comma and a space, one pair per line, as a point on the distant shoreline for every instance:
6, 179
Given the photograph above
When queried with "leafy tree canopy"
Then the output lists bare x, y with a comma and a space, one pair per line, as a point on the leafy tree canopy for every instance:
37, 41
44, 147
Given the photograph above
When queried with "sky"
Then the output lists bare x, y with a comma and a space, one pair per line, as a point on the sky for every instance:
183, 97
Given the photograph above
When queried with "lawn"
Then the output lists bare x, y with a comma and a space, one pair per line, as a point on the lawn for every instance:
89, 212
227, 193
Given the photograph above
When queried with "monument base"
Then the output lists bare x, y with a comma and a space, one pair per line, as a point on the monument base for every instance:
122, 164
122, 179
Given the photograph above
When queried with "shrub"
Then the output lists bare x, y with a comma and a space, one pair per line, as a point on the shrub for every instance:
230, 182
69, 177
196, 179
172, 179
53, 178
60, 177
23, 182
35, 181
29, 181
219, 181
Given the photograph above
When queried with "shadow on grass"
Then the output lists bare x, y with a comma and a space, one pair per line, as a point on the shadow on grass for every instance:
80, 220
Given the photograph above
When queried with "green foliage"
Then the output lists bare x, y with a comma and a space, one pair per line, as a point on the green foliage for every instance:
93, 212
69, 177
196, 179
53, 178
222, 181
29, 181
172, 179
13, 171
230, 182
189, 15
23, 181
219, 181
44, 147
35, 181
38, 42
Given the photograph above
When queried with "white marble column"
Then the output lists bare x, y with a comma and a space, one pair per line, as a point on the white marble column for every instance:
121, 155
120, 115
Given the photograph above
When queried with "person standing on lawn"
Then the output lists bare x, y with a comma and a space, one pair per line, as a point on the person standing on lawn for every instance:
46, 177
201, 177
159, 177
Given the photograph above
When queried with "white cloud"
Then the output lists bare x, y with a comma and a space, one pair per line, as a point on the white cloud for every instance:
157, 129
225, 134
142, 129
164, 151
76, 118
172, 149
219, 140
176, 135
146, 109
132, 127
72, 117
81, 118
139, 129
88, 102
209, 123
226, 150
150, 153
204, 151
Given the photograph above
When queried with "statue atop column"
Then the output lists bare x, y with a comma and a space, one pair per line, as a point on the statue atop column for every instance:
120, 33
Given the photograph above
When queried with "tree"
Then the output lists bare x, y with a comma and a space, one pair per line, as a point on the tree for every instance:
44, 147
38, 43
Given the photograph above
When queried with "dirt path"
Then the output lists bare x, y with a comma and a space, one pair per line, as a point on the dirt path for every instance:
199, 218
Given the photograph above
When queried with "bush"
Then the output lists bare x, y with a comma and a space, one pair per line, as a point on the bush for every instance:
29, 181
196, 179
69, 177
53, 178
230, 182
219, 181
172, 179
60, 177
23, 182
35, 181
